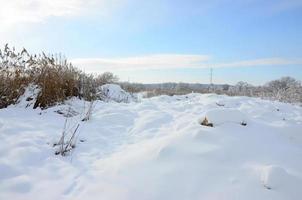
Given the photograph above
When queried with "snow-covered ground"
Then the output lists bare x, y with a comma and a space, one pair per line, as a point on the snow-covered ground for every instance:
155, 149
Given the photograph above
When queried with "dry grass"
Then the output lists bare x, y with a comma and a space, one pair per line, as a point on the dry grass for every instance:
54, 75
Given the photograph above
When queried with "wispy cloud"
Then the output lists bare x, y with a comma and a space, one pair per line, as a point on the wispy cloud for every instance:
171, 61
14, 12
33, 11
159, 61
260, 62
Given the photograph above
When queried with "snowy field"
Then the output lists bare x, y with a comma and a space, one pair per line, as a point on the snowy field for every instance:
155, 149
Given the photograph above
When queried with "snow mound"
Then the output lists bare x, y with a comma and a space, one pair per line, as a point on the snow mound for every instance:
185, 148
29, 96
224, 115
274, 177
154, 150
113, 92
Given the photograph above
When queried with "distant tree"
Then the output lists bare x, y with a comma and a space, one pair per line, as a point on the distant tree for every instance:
285, 89
182, 88
106, 78
243, 88
225, 87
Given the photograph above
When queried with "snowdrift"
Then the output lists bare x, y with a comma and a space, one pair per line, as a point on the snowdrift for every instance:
220, 116
107, 93
113, 92
28, 99
156, 149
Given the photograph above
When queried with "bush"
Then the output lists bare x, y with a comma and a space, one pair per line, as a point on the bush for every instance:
54, 75
13, 76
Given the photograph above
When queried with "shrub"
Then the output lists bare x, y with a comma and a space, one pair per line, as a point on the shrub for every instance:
56, 77
13, 76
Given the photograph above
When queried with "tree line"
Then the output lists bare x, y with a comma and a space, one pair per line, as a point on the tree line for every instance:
285, 89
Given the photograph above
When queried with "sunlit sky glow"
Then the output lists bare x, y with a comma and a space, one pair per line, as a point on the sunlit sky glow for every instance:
163, 41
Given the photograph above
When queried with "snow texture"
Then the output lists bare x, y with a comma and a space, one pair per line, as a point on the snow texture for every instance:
155, 149
27, 100
113, 92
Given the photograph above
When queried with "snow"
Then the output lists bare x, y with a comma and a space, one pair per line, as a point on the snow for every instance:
28, 98
155, 149
274, 177
219, 116
113, 92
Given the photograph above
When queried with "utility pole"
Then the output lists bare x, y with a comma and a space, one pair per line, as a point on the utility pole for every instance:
211, 76
211, 88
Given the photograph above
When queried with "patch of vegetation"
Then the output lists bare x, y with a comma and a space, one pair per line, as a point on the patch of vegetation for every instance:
205, 122
57, 78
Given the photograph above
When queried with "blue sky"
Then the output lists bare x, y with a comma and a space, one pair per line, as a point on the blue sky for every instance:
167, 40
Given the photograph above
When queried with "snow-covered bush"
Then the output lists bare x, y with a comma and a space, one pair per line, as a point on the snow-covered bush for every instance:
113, 92
28, 98
286, 89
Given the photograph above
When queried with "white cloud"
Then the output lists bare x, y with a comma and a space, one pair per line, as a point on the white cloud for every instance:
260, 62
159, 61
170, 61
14, 12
